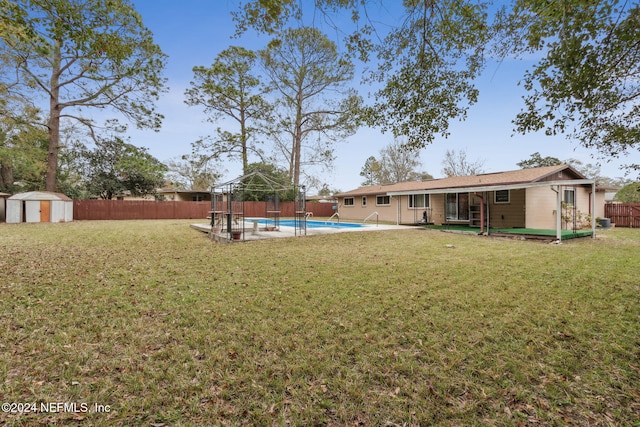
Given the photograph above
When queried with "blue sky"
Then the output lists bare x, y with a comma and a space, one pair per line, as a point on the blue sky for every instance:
193, 32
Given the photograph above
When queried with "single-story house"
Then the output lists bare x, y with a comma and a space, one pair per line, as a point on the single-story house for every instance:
552, 197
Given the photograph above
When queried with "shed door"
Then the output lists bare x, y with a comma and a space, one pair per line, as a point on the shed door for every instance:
32, 211
14, 211
45, 210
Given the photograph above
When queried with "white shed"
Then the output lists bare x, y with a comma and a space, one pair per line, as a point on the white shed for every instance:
39, 206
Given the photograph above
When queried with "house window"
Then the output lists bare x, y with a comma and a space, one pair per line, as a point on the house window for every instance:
196, 198
348, 201
501, 196
570, 197
383, 200
419, 201
364, 200
457, 206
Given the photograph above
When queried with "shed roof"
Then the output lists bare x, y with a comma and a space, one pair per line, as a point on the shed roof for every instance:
496, 179
39, 195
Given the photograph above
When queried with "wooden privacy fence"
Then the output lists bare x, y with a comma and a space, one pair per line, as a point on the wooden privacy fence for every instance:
148, 209
623, 214
138, 209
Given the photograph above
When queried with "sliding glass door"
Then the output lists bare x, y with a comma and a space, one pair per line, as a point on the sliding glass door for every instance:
457, 206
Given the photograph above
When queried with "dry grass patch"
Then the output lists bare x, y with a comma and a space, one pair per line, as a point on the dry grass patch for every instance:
168, 328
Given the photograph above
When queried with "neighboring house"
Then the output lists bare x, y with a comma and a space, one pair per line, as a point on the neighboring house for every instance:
171, 195
609, 193
185, 195
526, 198
321, 199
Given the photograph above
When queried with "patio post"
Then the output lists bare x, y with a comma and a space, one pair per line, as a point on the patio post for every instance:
559, 213
593, 210
488, 207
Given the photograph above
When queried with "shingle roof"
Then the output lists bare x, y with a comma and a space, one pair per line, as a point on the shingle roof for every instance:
520, 176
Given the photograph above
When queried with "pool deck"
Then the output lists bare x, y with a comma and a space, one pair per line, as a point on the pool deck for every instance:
286, 231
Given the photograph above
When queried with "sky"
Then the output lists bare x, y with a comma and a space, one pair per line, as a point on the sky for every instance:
193, 32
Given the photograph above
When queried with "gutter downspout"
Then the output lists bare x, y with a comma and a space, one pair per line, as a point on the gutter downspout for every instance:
486, 196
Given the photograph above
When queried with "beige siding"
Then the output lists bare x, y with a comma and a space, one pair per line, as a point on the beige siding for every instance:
410, 216
397, 211
358, 212
540, 208
437, 209
600, 202
541, 203
507, 215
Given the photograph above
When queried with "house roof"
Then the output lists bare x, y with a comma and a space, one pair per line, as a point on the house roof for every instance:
514, 178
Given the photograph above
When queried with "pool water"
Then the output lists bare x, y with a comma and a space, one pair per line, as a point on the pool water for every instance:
310, 223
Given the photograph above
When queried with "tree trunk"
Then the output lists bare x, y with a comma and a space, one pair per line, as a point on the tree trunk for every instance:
54, 120
297, 141
297, 153
244, 137
6, 177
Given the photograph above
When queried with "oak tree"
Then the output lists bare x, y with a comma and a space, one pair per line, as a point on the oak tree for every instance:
586, 84
630, 193
115, 167
537, 161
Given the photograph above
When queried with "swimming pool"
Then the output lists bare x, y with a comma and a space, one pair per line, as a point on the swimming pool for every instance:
310, 223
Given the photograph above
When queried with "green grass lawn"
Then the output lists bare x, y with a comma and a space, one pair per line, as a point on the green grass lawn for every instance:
414, 327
